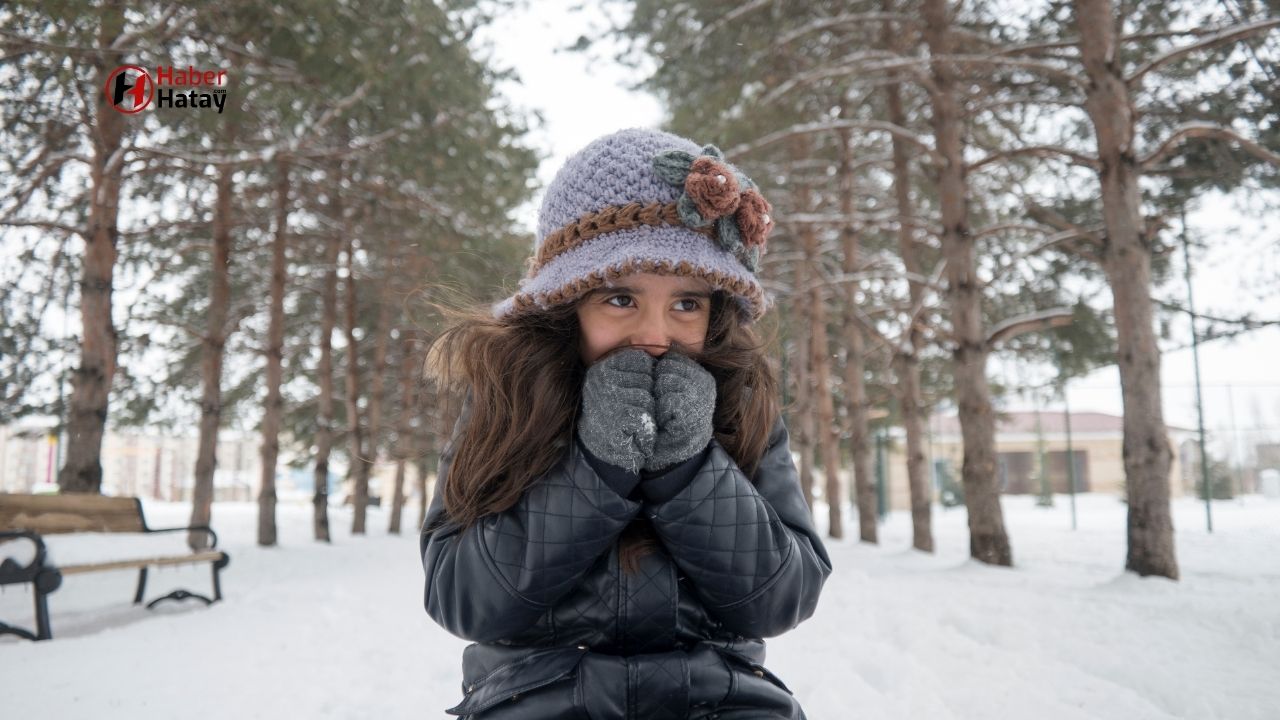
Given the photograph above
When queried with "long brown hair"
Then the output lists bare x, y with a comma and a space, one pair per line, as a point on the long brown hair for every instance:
525, 373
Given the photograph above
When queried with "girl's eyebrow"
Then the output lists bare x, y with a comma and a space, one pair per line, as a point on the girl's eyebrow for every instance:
640, 291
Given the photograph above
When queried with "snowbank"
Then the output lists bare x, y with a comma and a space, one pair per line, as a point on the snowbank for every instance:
339, 632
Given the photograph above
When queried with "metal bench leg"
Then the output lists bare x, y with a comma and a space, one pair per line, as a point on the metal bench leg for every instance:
7, 629
46, 582
217, 580
142, 587
187, 594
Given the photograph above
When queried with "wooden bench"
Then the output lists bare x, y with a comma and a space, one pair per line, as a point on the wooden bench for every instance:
26, 518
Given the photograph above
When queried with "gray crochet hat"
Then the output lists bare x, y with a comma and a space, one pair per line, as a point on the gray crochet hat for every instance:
642, 200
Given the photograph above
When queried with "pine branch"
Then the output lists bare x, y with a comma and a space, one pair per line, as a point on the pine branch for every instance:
1040, 151
1038, 66
1202, 130
152, 31
12, 42
1023, 324
853, 63
1246, 322
725, 20
44, 225
1228, 35
825, 23
831, 125
1087, 243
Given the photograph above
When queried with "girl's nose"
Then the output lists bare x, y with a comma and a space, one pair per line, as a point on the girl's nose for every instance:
655, 350
653, 338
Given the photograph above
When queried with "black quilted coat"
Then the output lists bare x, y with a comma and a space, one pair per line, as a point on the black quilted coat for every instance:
560, 631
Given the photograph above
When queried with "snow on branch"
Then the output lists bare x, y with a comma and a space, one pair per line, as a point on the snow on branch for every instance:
843, 278
824, 23
1247, 322
270, 152
863, 220
1041, 151
1206, 130
1039, 66
1023, 324
44, 225
1085, 242
916, 316
1041, 48
1069, 238
829, 125
1231, 34
14, 44
857, 62
726, 19
152, 31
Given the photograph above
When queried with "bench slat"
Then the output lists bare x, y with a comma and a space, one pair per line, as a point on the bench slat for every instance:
49, 514
204, 556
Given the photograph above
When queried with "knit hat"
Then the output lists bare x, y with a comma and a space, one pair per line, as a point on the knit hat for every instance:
642, 200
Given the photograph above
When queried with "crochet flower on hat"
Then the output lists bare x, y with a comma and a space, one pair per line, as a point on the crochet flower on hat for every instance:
716, 192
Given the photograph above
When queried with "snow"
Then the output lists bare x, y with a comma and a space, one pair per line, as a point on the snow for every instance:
339, 631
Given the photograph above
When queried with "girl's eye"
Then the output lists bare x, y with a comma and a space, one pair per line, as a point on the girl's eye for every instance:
691, 306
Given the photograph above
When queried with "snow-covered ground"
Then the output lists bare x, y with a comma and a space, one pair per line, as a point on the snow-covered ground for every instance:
338, 632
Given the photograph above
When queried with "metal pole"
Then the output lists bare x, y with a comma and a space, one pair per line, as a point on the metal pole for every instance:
1236, 455
1195, 357
933, 460
1042, 465
881, 472
1071, 455
62, 380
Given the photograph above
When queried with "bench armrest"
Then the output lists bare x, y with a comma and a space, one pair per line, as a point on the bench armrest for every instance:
213, 536
10, 570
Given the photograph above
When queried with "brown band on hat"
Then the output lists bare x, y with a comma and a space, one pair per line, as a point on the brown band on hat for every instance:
607, 220
524, 302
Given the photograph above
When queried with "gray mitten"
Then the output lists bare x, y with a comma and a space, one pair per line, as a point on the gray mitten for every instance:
685, 395
617, 423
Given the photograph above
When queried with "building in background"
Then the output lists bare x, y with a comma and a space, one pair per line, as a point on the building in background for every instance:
162, 467
1097, 441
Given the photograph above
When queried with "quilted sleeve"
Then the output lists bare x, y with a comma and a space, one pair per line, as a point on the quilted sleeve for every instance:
749, 548
499, 576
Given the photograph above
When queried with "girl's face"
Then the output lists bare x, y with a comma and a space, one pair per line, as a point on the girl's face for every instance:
645, 310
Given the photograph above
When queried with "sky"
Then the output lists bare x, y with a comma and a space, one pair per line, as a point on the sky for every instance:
580, 95
1241, 378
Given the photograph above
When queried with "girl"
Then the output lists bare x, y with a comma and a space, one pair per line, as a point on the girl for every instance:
617, 522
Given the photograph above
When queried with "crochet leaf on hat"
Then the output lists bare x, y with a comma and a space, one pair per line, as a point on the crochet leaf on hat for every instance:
672, 166
715, 192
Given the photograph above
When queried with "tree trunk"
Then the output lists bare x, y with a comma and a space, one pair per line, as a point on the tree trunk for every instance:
271, 416
404, 429
324, 415
907, 371
821, 363
804, 410
212, 349
91, 382
421, 483
906, 361
988, 542
1127, 263
377, 383
854, 366
358, 470
804, 431
433, 438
